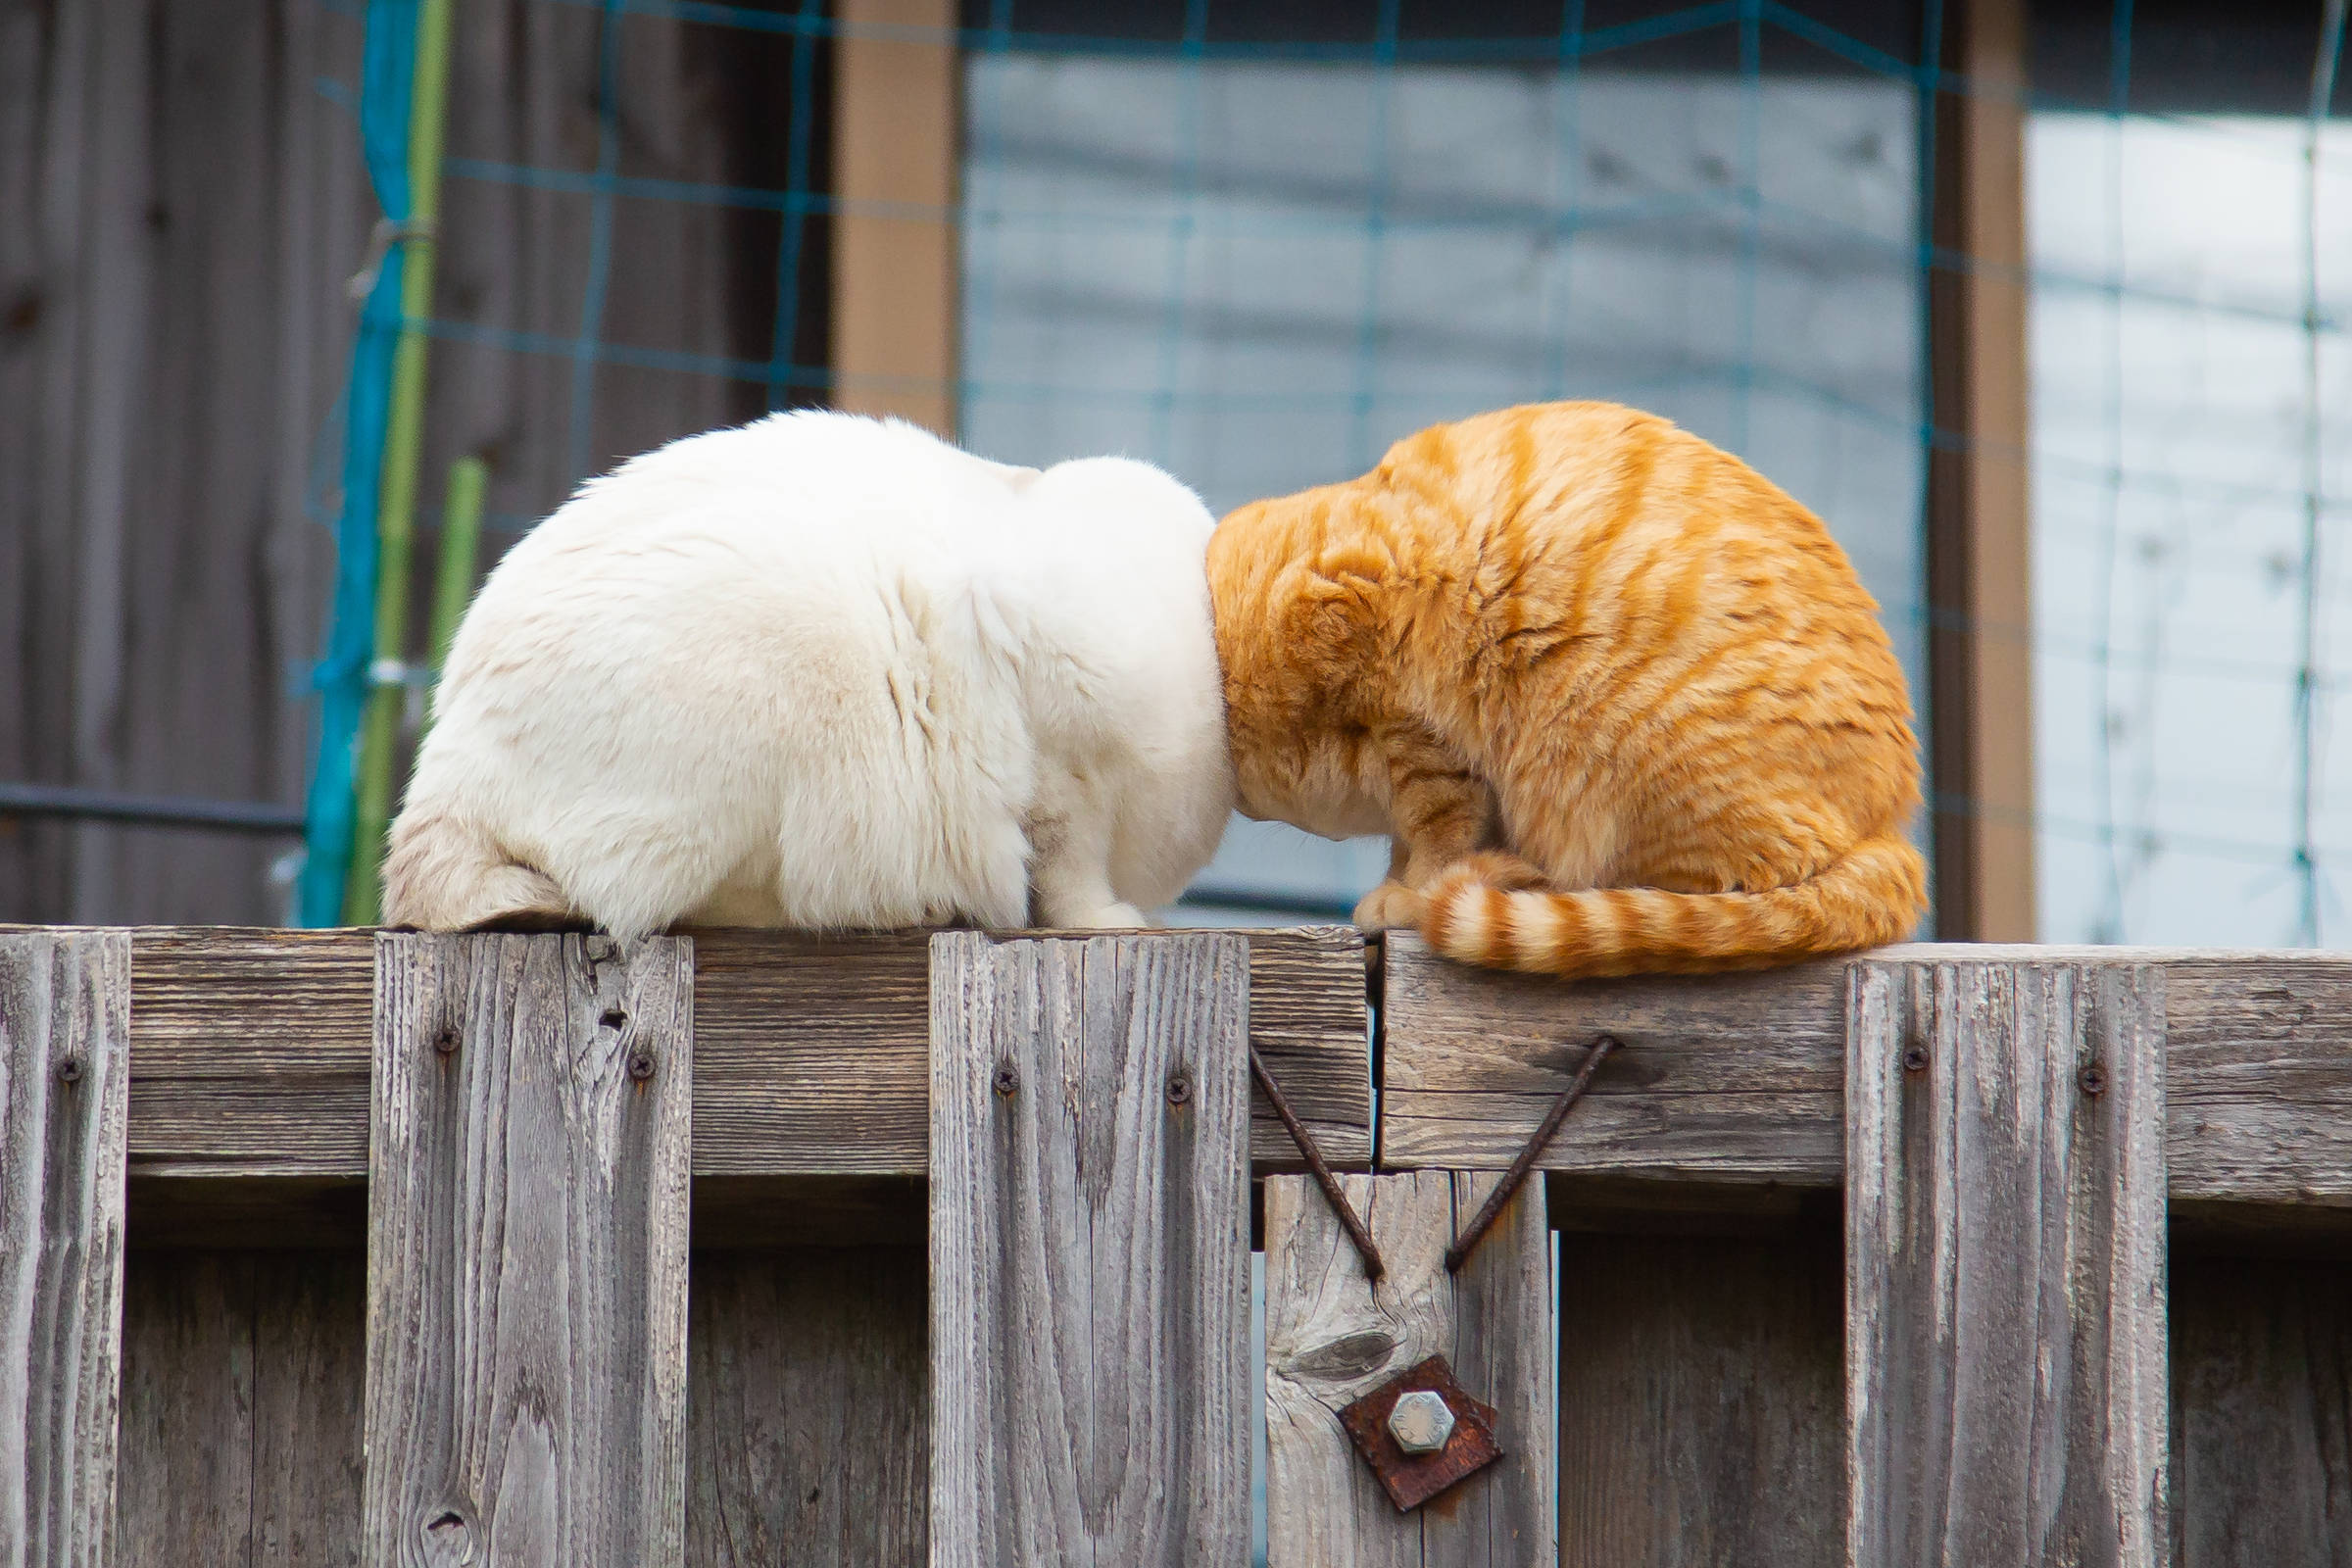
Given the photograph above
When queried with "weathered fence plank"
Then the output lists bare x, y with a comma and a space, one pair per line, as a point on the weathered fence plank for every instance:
1090, 1242
241, 1386
250, 1050
64, 1070
1332, 1336
806, 1434
2262, 1413
2005, 1306
526, 1248
1701, 1400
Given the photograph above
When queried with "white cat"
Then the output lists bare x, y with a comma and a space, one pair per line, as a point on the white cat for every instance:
828, 671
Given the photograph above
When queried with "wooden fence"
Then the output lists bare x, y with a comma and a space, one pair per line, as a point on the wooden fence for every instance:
336, 1248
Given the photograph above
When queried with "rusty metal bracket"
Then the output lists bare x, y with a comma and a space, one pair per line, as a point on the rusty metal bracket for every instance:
1374, 1269
1411, 1479
1515, 1177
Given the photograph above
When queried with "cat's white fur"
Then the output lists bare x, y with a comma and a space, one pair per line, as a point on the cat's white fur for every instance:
828, 671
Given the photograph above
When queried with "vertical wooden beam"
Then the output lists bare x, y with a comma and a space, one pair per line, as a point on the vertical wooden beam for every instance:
1332, 1336
65, 1077
2006, 1293
1090, 1250
1979, 540
896, 139
526, 1253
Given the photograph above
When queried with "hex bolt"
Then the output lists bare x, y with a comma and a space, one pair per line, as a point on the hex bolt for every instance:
1421, 1422
641, 1065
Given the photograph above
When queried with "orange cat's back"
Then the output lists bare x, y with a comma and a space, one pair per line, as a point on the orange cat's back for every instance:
1717, 695
1693, 728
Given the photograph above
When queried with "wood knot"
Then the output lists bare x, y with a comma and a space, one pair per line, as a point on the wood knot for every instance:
1346, 1359
613, 1018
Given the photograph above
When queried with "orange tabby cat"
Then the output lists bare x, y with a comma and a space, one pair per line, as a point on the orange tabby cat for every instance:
1622, 704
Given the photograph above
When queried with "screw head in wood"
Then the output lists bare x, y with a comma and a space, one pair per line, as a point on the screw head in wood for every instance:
1180, 1089
446, 1042
1421, 1422
641, 1065
69, 1071
1006, 1081
2092, 1078
1915, 1058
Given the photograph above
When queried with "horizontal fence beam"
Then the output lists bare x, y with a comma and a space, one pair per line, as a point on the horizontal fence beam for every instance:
249, 1058
249, 1052
1740, 1079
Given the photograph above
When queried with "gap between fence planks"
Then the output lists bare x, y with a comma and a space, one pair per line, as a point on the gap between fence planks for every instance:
2005, 1295
1332, 1336
64, 1068
1089, 1247
526, 1253
250, 1050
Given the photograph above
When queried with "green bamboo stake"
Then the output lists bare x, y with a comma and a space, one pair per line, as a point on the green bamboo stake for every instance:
461, 546
362, 898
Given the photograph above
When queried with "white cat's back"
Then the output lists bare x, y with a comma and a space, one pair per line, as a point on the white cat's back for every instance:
722, 640
819, 671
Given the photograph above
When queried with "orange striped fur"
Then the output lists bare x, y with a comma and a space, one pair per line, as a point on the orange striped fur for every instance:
1621, 705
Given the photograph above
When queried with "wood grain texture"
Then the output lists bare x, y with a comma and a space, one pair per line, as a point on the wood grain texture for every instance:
180, 206
1332, 1336
241, 1383
526, 1251
1090, 1251
250, 1050
1733, 1077
807, 1439
1740, 1078
1701, 1401
2262, 1413
2005, 1306
64, 1071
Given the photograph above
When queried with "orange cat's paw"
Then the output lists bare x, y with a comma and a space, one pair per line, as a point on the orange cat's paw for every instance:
1498, 869
1390, 907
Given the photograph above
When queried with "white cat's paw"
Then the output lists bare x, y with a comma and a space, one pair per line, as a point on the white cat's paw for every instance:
1108, 917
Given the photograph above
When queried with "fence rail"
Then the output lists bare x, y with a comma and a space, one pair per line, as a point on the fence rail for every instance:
346, 1245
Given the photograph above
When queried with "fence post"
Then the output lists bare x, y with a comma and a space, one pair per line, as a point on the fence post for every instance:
526, 1253
2005, 1295
1090, 1250
1331, 1337
65, 1077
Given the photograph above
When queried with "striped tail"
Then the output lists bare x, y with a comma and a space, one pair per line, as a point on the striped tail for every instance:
1874, 894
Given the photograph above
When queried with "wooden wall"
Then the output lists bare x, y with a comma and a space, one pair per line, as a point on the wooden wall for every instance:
181, 208
806, 1408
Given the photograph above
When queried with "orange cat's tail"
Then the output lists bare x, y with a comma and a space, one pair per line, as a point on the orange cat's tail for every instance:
1874, 894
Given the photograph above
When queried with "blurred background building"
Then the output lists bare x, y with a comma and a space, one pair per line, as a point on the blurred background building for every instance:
2042, 307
